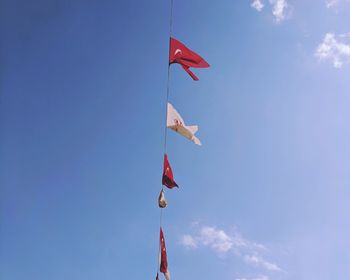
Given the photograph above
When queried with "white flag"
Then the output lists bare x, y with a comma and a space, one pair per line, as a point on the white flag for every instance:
162, 203
176, 123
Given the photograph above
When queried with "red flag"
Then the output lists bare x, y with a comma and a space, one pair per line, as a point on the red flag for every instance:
168, 178
179, 53
163, 257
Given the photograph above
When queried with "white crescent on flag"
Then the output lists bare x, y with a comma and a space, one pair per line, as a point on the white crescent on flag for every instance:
177, 51
176, 123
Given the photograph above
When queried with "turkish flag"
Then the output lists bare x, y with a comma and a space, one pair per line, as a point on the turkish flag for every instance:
163, 257
168, 178
179, 53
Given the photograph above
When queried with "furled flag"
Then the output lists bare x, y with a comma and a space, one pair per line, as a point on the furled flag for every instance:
163, 257
187, 58
162, 203
176, 123
168, 177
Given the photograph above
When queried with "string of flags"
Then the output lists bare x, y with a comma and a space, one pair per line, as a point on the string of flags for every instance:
180, 54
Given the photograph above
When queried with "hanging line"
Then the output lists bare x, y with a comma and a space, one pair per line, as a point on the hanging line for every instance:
168, 79
166, 115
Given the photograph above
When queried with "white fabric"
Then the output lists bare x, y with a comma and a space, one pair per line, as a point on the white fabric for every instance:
176, 123
167, 275
161, 200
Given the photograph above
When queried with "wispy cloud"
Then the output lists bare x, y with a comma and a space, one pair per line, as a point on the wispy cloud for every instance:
222, 242
279, 9
262, 277
257, 5
188, 241
218, 240
258, 261
334, 48
331, 3
335, 3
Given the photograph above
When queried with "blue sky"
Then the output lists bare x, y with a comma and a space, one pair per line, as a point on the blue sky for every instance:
82, 106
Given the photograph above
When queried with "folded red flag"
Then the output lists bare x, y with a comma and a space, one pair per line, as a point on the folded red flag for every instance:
168, 178
163, 256
187, 58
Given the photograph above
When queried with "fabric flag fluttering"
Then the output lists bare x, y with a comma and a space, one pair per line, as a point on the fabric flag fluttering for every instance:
163, 257
180, 54
187, 58
168, 177
176, 123
162, 203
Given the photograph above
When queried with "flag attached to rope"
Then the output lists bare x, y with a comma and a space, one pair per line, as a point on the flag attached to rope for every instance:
187, 58
168, 177
162, 203
176, 123
163, 257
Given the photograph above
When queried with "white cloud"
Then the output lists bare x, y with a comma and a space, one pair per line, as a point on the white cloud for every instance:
279, 9
188, 241
334, 48
335, 3
331, 3
222, 243
260, 262
262, 277
218, 240
257, 5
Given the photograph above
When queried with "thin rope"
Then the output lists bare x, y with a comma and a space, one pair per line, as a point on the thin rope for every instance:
166, 115
168, 79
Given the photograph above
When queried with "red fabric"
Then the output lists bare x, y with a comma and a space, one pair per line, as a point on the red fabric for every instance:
179, 53
163, 257
187, 69
168, 177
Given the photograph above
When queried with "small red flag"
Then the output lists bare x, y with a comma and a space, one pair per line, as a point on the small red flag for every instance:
187, 58
168, 178
163, 257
